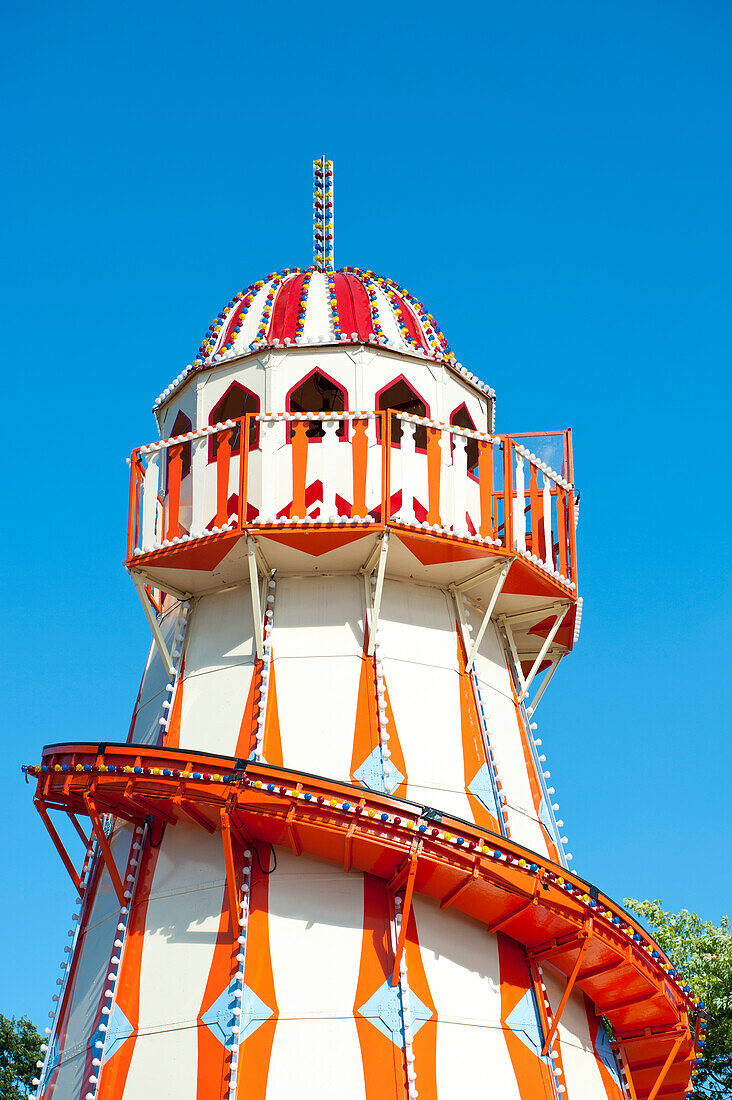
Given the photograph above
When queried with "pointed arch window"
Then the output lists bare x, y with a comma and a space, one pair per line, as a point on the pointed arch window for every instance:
402, 397
461, 418
238, 401
318, 392
181, 425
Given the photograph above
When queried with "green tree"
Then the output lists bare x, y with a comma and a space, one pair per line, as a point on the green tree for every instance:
20, 1049
702, 952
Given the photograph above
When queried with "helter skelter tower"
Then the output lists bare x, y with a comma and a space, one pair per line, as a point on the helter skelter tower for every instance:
325, 861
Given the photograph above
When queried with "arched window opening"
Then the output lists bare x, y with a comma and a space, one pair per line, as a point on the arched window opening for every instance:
400, 396
461, 418
236, 402
318, 393
181, 425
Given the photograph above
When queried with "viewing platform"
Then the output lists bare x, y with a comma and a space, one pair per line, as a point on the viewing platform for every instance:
318, 490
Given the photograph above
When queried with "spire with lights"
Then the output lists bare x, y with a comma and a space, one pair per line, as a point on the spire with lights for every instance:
323, 214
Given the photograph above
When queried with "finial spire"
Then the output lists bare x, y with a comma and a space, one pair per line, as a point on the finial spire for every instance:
323, 252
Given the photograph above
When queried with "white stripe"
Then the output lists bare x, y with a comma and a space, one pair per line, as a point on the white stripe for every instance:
463, 973
316, 929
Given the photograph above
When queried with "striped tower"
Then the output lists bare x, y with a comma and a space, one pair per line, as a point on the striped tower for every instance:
325, 860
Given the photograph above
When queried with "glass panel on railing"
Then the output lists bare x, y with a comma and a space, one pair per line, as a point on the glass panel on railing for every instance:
549, 447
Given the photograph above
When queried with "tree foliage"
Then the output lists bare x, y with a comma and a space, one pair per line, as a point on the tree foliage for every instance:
20, 1049
702, 951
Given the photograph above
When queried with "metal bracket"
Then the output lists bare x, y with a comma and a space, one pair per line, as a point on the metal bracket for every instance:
154, 626
485, 575
256, 602
373, 604
105, 849
543, 651
487, 615
665, 1068
545, 683
514, 652
60, 847
230, 866
565, 996
406, 909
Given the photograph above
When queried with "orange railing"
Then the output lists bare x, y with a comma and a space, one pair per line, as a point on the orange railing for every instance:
357, 468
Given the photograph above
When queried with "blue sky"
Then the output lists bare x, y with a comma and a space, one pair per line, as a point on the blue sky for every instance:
552, 180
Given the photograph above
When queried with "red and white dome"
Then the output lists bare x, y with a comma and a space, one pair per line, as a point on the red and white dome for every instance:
295, 307
301, 308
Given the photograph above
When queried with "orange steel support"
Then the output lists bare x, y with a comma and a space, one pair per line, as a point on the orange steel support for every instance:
507, 494
195, 815
485, 477
134, 503
566, 995
562, 529
59, 845
433, 474
359, 451
386, 466
106, 851
230, 868
223, 462
664, 1069
406, 910
245, 428
571, 511
535, 511
175, 469
80, 831
299, 467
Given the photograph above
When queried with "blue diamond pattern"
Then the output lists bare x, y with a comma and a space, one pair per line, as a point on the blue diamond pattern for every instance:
220, 1019
605, 1053
545, 819
370, 773
384, 1010
482, 787
119, 1030
524, 1023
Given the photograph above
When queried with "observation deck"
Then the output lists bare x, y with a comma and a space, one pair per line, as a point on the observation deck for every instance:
317, 492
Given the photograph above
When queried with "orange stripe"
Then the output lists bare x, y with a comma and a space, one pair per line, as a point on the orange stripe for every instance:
473, 748
536, 791
384, 1066
360, 457
532, 1075
247, 731
213, 1060
433, 474
485, 476
425, 1041
114, 1073
256, 1051
366, 730
397, 756
272, 743
612, 1089
172, 737
299, 468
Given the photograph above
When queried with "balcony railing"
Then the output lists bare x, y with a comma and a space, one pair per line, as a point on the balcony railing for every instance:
357, 468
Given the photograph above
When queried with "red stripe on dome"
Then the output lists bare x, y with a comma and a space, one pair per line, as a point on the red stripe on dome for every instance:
410, 320
354, 309
229, 334
286, 307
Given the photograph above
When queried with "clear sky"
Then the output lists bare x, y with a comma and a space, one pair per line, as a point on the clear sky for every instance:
552, 180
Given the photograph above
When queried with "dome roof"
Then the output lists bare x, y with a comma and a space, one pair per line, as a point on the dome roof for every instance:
295, 308
324, 307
